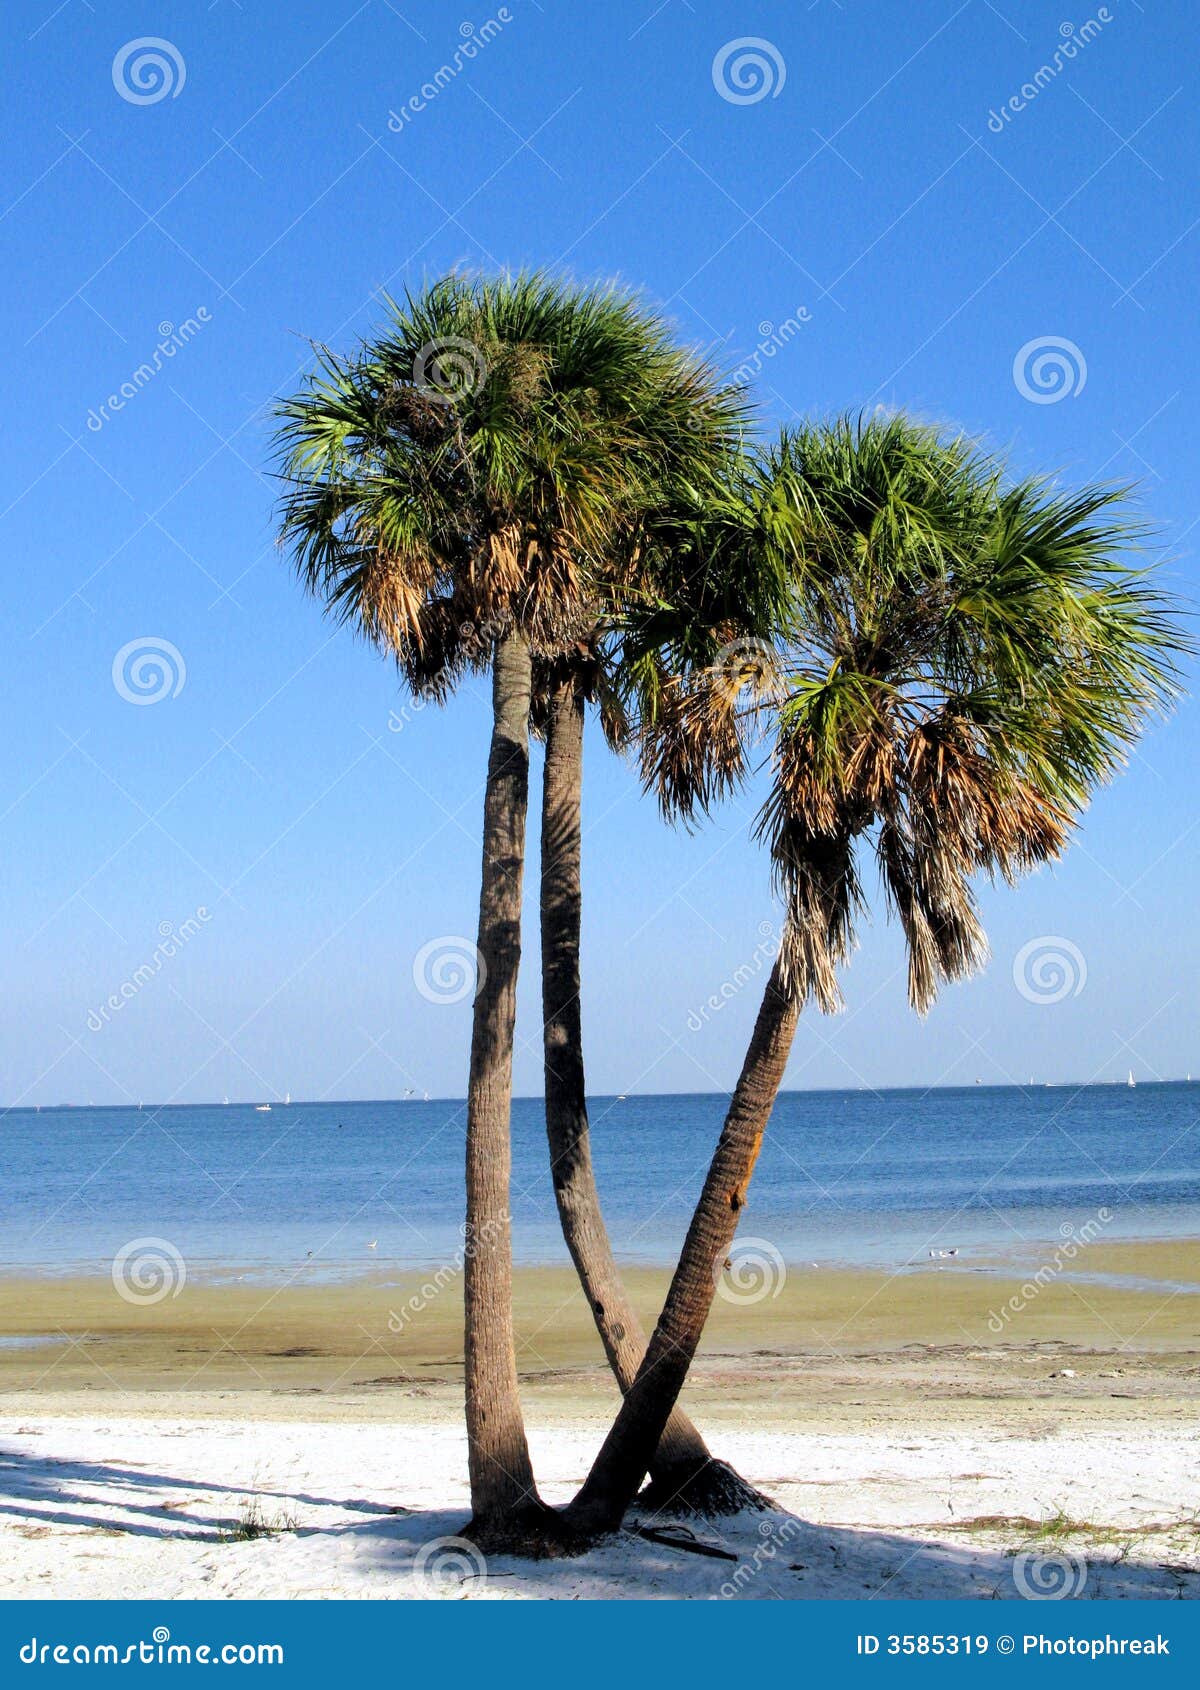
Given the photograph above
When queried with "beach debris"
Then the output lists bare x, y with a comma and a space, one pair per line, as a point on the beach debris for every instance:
682, 1538
1064, 1373
372, 1243
942, 1255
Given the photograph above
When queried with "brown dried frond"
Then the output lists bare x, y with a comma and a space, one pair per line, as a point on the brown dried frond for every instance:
389, 596
691, 750
992, 817
815, 873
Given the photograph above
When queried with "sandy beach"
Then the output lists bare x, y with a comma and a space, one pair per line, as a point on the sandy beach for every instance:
305, 1439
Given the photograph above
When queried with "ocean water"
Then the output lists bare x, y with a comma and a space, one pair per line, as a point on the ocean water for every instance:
852, 1176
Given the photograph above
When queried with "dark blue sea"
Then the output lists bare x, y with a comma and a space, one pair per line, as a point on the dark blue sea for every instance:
853, 1176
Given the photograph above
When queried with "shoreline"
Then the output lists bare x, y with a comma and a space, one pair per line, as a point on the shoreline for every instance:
82, 1335
243, 1442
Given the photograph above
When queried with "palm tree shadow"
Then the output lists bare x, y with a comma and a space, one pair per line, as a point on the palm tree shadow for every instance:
42, 1490
774, 1556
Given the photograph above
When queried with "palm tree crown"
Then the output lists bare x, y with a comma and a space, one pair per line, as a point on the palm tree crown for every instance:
483, 463
963, 659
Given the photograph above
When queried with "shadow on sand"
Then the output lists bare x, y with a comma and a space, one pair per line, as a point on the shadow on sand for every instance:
397, 1551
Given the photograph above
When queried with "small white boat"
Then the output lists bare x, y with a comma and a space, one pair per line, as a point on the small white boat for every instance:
262, 1108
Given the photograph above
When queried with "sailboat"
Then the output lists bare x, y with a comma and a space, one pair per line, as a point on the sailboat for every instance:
1131, 1080
287, 1097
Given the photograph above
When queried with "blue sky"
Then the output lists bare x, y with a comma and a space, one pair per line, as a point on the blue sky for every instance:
870, 220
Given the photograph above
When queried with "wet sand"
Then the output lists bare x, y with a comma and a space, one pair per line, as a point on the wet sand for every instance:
911, 1448
382, 1336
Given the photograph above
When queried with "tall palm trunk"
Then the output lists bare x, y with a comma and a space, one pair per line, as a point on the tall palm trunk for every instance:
630, 1445
684, 1476
502, 1486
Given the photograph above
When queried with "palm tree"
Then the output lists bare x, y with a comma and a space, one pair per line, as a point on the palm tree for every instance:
452, 491
966, 658
691, 596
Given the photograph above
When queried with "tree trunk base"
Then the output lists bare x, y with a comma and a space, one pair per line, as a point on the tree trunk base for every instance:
709, 1489
534, 1533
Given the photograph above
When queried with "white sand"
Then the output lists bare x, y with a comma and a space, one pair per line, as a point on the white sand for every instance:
117, 1507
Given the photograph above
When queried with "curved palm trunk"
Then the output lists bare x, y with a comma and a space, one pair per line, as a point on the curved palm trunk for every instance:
680, 1471
502, 1486
629, 1448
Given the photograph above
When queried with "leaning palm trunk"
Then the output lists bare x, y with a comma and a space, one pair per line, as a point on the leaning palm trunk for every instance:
629, 1448
685, 1478
502, 1486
